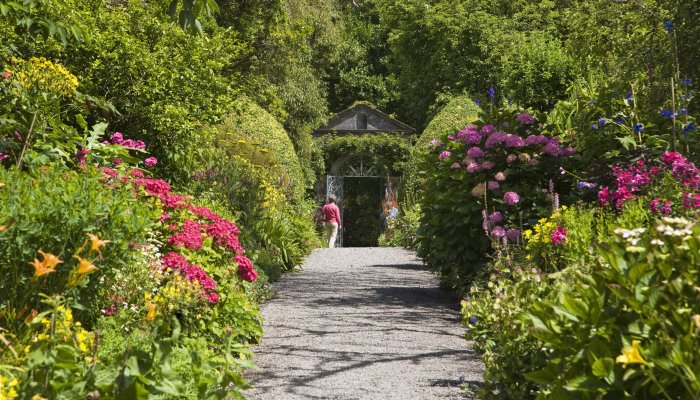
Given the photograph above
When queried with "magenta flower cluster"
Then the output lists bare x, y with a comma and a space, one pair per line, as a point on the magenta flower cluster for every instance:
630, 181
192, 232
192, 273
118, 139
559, 235
638, 178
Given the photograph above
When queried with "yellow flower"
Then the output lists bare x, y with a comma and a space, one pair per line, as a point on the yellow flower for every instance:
38, 397
85, 266
631, 355
151, 315
46, 266
97, 243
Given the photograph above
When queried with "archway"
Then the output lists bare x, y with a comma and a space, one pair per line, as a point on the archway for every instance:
357, 182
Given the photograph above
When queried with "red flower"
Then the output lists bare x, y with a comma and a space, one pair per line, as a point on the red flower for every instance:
245, 268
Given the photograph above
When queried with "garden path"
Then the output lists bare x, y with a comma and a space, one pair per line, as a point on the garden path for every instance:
362, 323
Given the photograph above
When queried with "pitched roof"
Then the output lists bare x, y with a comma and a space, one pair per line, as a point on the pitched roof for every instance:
362, 119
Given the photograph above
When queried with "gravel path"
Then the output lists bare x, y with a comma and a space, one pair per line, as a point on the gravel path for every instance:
362, 323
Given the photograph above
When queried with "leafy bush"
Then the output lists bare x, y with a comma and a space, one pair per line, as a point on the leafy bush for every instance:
457, 113
630, 328
559, 285
390, 151
476, 194
401, 230
54, 210
248, 125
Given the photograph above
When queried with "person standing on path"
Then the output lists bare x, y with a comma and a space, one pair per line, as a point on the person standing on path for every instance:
331, 217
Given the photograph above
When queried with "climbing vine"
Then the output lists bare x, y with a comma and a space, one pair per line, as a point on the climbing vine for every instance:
390, 151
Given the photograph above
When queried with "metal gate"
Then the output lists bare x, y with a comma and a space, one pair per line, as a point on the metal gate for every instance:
334, 185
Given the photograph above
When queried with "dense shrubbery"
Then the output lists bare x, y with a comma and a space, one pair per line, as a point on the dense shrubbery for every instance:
482, 183
597, 301
457, 113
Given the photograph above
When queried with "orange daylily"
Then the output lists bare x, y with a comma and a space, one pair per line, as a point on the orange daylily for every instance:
46, 266
97, 243
85, 266
7, 225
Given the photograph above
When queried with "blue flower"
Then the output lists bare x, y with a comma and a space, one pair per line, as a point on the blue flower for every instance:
594, 126
592, 102
628, 96
687, 82
668, 25
666, 113
472, 320
510, 100
684, 111
586, 185
638, 127
602, 122
478, 103
689, 128
492, 93
619, 120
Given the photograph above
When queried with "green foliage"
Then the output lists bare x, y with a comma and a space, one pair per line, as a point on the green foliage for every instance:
401, 230
457, 113
642, 290
53, 210
249, 124
389, 151
461, 189
29, 17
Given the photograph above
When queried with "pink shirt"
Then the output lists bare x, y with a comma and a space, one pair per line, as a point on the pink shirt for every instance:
331, 213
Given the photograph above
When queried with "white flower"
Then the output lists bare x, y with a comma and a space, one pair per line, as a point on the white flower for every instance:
657, 242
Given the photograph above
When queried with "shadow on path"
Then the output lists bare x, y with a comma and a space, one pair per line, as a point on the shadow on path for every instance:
363, 324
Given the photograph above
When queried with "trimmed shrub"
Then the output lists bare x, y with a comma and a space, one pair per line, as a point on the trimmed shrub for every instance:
454, 116
255, 135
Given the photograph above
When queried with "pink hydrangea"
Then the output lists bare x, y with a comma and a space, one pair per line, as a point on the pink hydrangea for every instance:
511, 198
496, 217
525, 119
473, 167
488, 129
498, 232
487, 165
493, 185
475, 153
514, 141
495, 139
500, 176
536, 139
245, 268
190, 237
150, 161
445, 154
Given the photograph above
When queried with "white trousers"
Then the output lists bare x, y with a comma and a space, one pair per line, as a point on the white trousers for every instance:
331, 233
